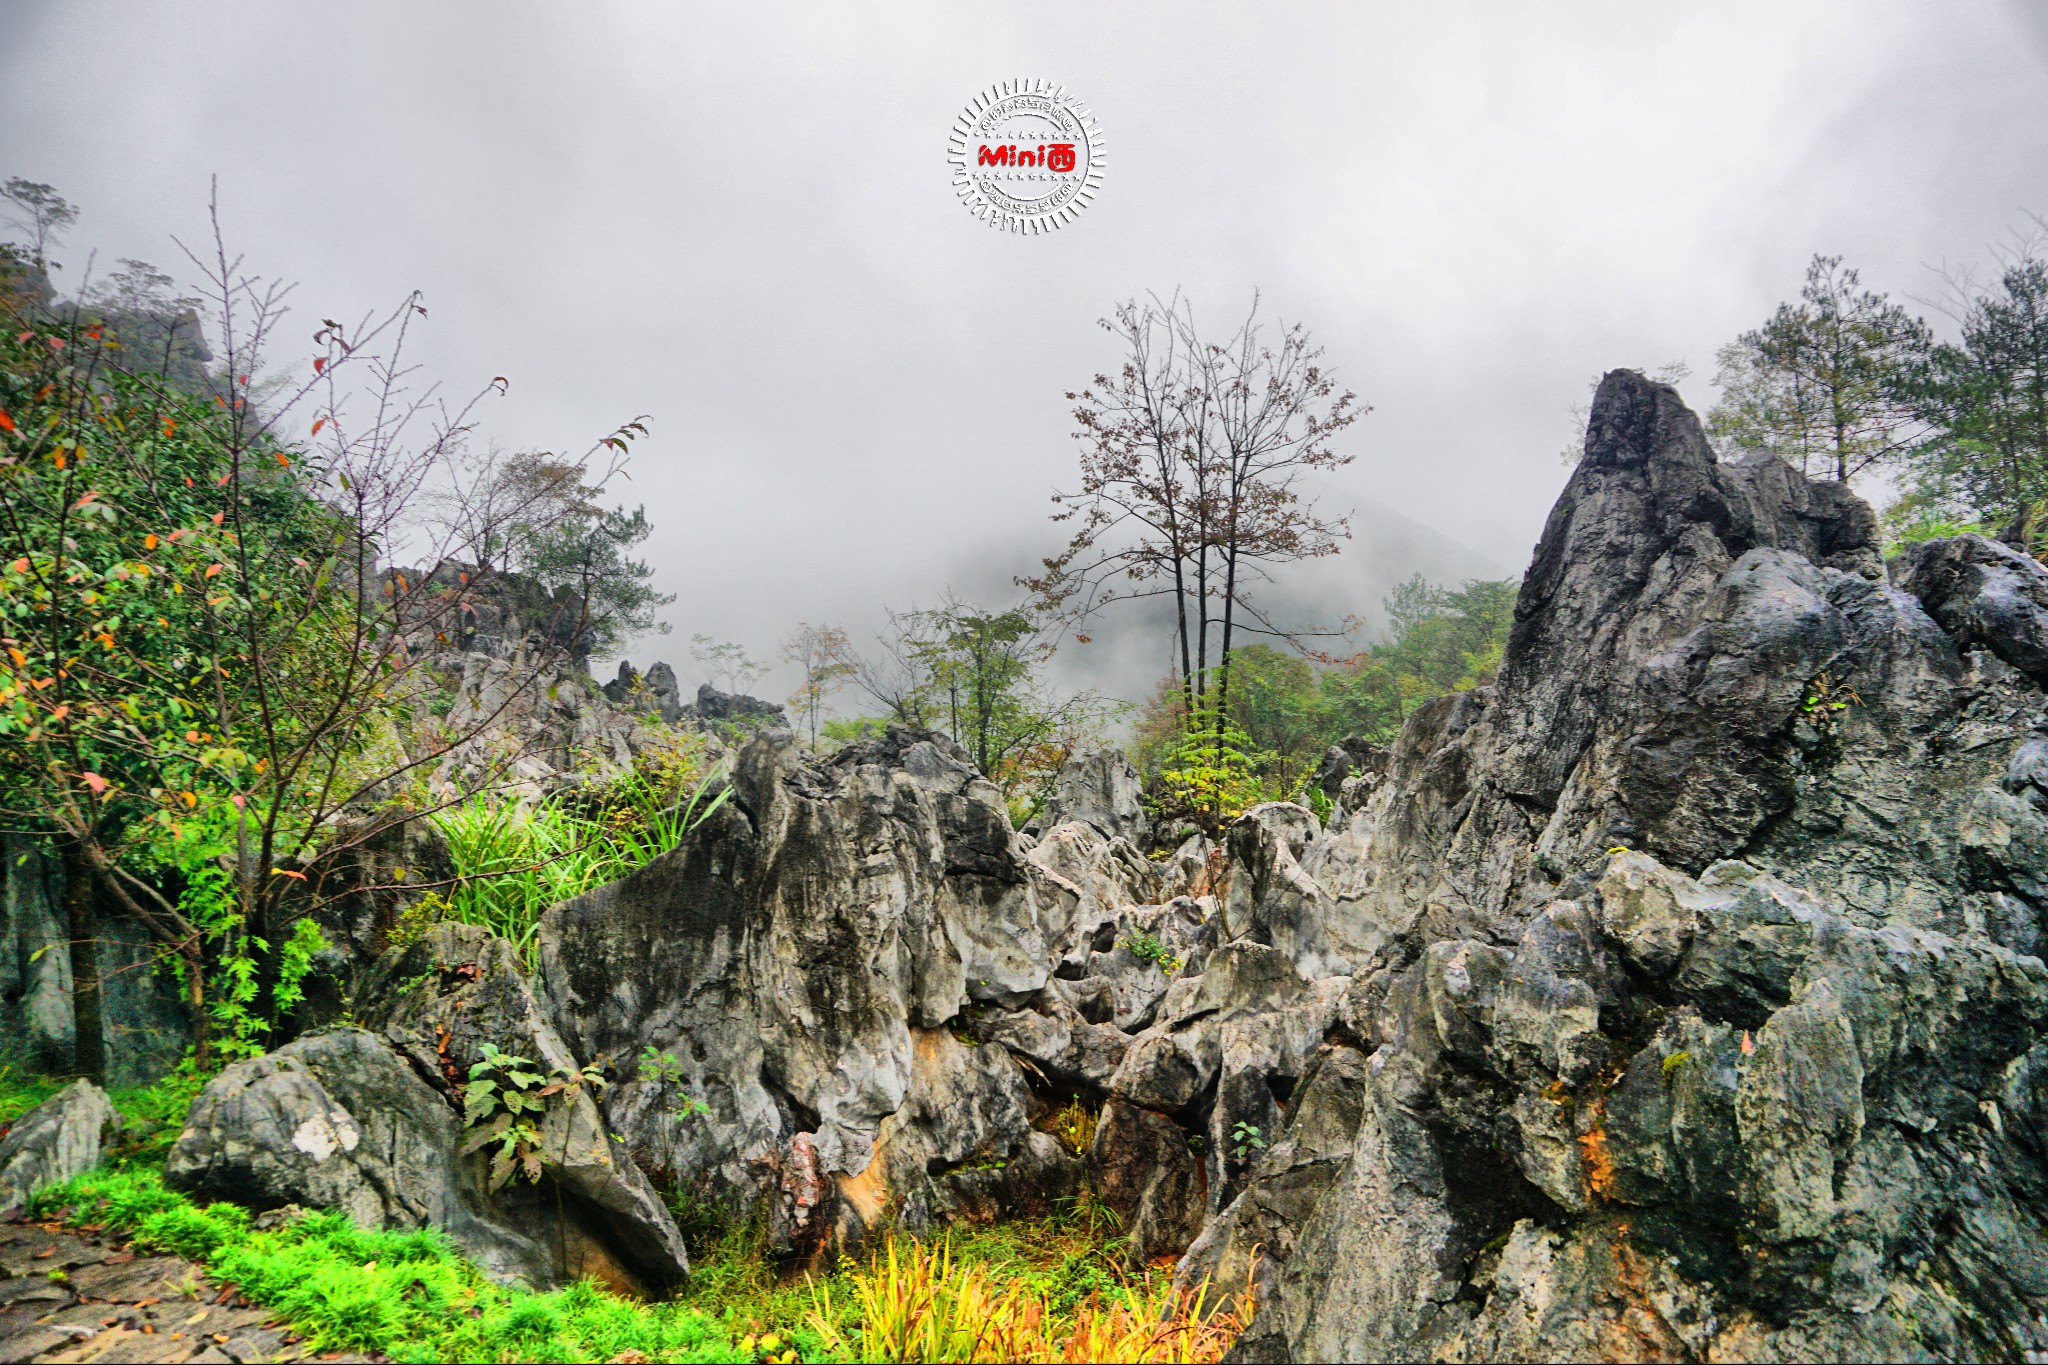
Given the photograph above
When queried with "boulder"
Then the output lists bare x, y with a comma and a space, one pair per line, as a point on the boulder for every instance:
58, 1139
1101, 787
373, 1122
440, 1002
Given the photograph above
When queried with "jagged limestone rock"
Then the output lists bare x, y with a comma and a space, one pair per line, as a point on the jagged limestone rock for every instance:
58, 1139
798, 957
1101, 787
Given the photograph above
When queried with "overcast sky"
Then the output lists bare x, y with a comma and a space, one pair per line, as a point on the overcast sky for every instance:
738, 220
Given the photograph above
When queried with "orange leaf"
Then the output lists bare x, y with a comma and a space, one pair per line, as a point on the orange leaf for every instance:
20, 659
95, 781
281, 459
319, 424
61, 712
287, 872
149, 542
191, 800
21, 565
212, 569
171, 429
219, 517
6, 422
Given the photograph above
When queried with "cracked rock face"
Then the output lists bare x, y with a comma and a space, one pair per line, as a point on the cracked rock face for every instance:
58, 1139
1706, 1018
799, 962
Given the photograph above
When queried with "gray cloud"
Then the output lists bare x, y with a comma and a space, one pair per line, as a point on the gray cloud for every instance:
738, 220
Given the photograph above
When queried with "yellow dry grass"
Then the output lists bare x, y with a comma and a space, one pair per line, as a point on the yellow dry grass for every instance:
914, 1304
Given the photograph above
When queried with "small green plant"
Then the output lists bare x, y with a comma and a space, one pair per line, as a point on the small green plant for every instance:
503, 1103
513, 861
1245, 1139
1074, 1126
1672, 1064
663, 1069
1147, 948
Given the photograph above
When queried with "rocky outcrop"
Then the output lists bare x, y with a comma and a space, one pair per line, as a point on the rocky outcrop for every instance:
1100, 787
58, 1139
142, 1018
793, 969
1676, 997
375, 1121
1692, 1008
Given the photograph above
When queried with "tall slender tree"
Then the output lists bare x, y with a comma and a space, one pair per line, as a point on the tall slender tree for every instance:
1192, 456
1829, 383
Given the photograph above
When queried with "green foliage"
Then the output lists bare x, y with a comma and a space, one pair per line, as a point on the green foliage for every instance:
504, 1103
1245, 1139
1286, 710
1208, 773
982, 686
585, 561
1986, 397
1828, 383
514, 861
1147, 948
407, 1294
663, 1069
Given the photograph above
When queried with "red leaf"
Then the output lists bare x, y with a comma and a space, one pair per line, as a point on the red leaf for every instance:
95, 781
6, 422
319, 365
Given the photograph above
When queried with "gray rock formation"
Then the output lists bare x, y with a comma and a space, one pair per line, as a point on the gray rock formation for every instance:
58, 1139
368, 1121
1676, 997
143, 1021
715, 708
1101, 788
794, 966
1760, 1088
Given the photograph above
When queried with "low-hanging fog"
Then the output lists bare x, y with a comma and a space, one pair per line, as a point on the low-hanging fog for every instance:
738, 221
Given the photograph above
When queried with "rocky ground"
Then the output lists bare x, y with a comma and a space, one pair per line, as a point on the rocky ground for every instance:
74, 1295
1678, 997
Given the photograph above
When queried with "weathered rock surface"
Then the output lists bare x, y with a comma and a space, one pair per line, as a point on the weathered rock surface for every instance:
795, 963
1761, 1088
1676, 997
56, 1140
368, 1121
1101, 788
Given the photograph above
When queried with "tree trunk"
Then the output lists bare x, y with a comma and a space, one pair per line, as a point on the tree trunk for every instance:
89, 1045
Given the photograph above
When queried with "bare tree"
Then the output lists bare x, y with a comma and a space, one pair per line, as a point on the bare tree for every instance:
1192, 456
826, 657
